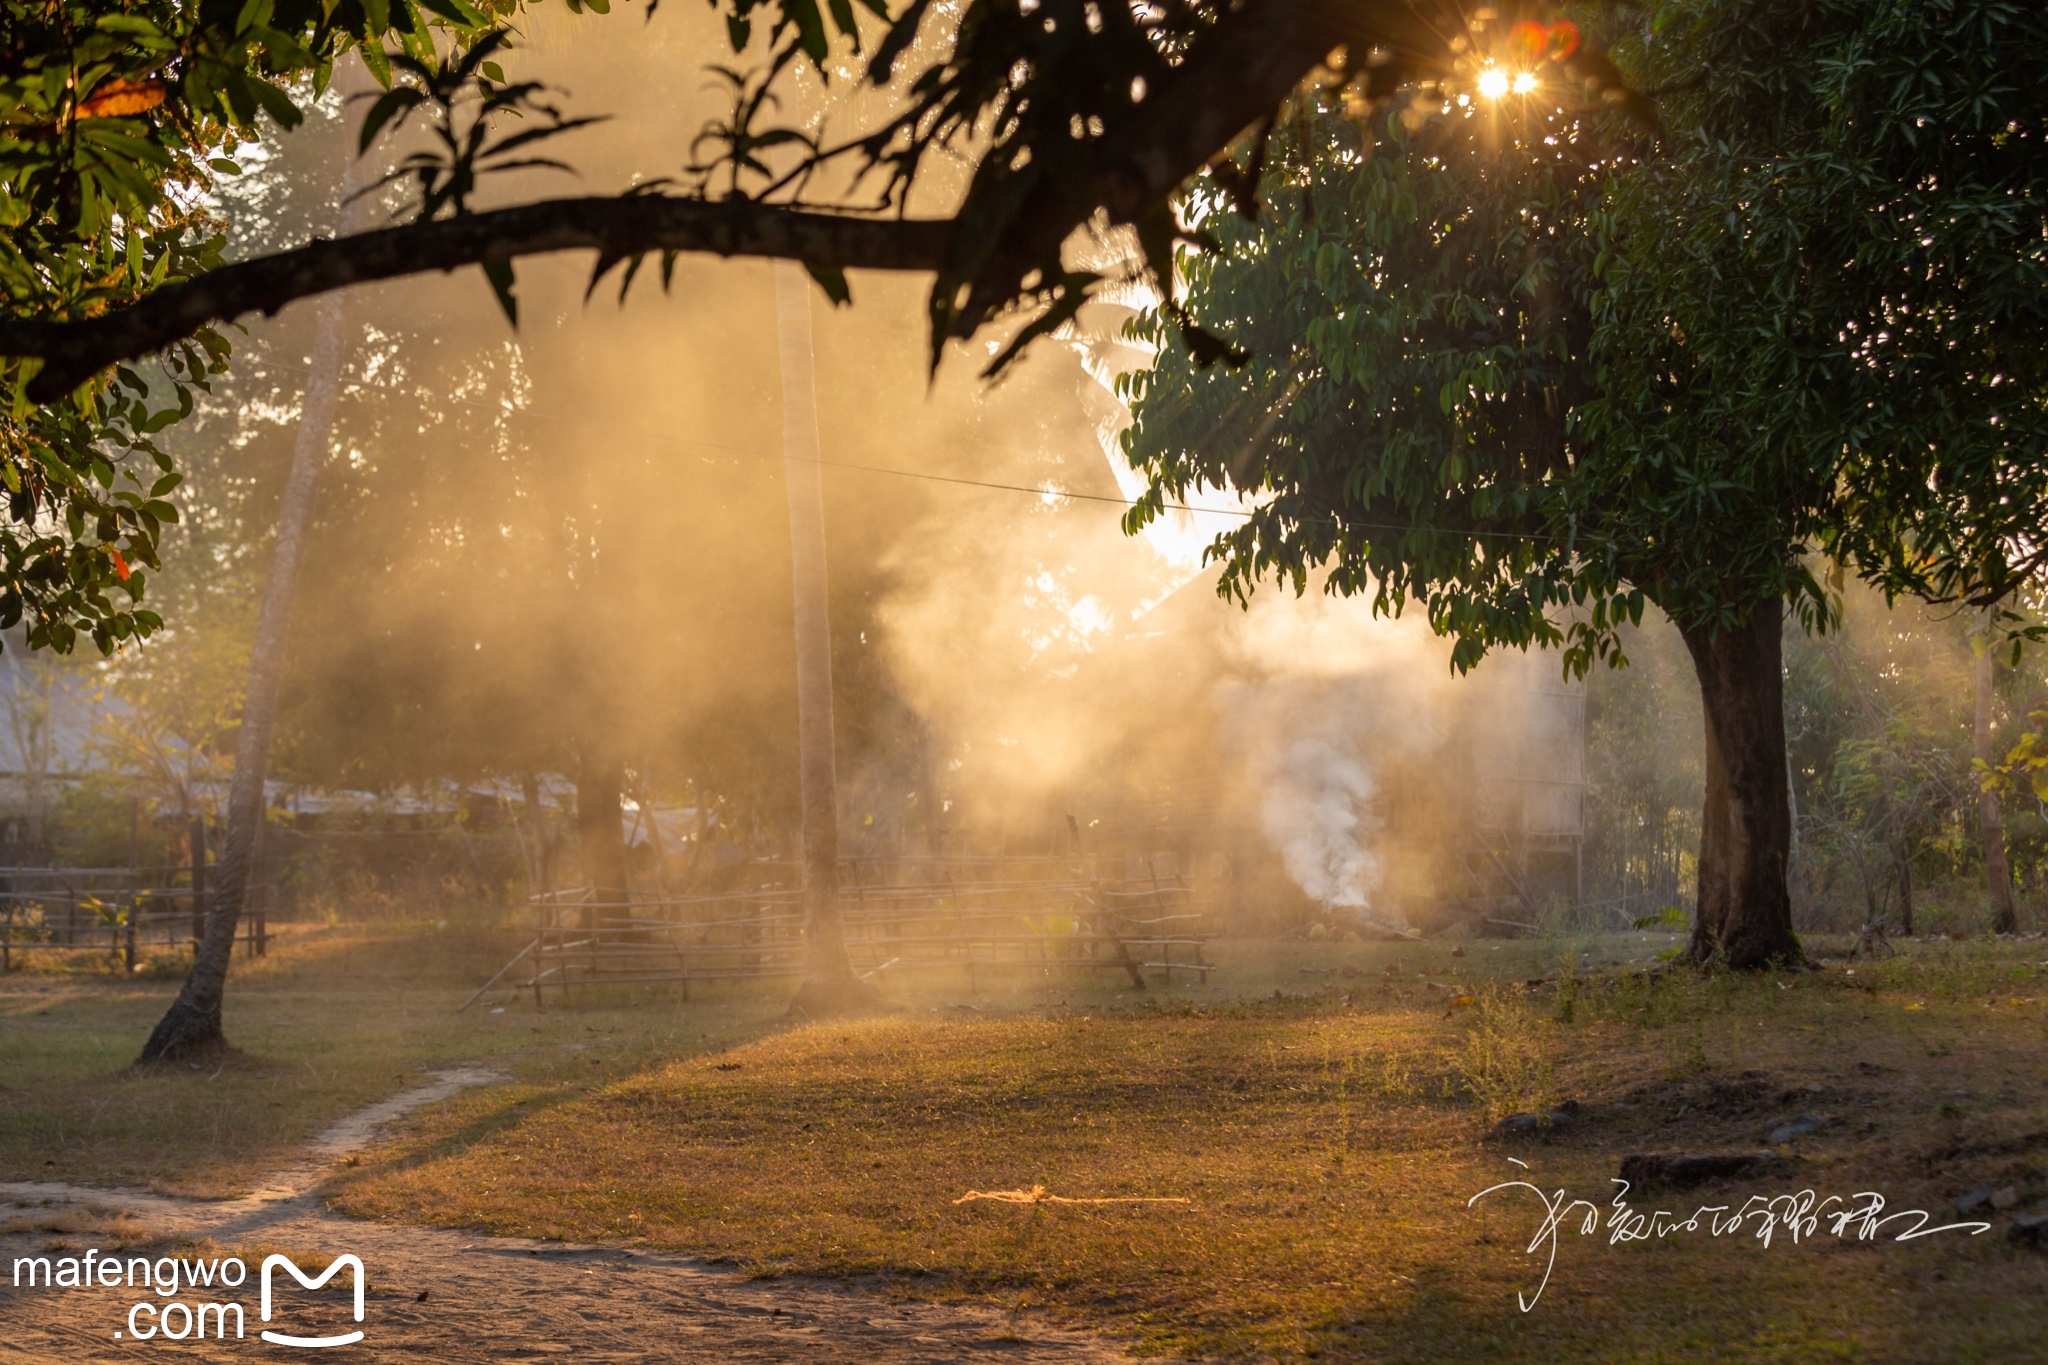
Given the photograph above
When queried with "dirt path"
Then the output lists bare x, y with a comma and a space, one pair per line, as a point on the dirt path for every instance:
435, 1295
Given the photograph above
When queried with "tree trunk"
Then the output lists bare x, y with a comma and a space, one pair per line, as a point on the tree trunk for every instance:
1990, 819
1902, 869
598, 781
1745, 911
192, 1025
829, 983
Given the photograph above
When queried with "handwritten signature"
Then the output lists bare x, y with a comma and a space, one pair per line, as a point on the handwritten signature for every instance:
1797, 1217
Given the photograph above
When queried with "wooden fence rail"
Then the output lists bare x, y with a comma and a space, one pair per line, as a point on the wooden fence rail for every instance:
1070, 924
111, 911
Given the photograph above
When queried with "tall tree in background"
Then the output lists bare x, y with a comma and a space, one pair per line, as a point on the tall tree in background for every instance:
600, 831
1990, 812
193, 1022
829, 983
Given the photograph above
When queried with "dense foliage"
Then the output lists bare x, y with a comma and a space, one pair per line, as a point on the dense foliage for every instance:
1529, 367
116, 123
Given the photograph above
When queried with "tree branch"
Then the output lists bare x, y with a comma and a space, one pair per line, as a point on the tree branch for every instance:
1235, 74
613, 227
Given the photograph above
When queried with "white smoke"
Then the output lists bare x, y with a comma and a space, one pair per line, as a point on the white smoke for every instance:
1328, 694
1313, 812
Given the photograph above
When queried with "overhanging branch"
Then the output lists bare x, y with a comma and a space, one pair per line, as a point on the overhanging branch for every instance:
616, 227
1233, 75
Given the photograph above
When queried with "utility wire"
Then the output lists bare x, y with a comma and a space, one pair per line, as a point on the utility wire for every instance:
1041, 493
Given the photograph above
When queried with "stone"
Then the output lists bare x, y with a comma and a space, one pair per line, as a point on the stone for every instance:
1793, 1131
1975, 1201
2029, 1229
2005, 1198
1686, 1170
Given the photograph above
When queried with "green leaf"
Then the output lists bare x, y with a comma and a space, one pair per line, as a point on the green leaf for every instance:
454, 11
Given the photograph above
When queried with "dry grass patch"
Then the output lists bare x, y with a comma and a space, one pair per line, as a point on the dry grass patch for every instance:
1327, 1148
331, 1020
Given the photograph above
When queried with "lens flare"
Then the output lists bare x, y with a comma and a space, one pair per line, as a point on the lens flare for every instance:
1527, 41
1525, 81
1493, 82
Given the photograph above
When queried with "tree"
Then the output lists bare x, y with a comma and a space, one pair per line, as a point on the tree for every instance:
829, 983
192, 1025
1990, 815
1533, 369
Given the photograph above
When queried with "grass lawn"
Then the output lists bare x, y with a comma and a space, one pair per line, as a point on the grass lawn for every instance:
1326, 1144
328, 1021
1325, 1139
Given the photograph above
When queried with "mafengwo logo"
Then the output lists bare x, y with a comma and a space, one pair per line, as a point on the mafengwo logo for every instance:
271, 1263
173, 1315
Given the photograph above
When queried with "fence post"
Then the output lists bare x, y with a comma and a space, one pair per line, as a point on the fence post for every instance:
128, 946
198, 882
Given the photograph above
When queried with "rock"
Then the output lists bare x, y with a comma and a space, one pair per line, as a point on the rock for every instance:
1793, 1131
1532, 1125
1975, 1201
2005, 1198
2029, 1229
1685, 1170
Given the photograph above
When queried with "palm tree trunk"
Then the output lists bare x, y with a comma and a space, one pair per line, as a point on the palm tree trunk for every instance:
192, 1026
1990, 819
829, 983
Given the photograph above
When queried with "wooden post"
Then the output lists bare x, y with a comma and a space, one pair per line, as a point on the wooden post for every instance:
198, 882
547, 930
1105, 924
128, 946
